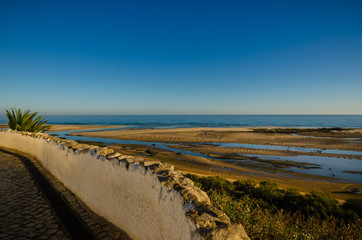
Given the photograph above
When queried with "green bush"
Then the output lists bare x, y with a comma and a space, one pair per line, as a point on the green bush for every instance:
318, 203
355, 205
245, 185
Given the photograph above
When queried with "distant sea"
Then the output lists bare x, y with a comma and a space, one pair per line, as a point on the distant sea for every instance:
166, 121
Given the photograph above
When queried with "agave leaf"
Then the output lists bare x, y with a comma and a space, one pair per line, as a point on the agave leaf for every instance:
25, 121
11, 118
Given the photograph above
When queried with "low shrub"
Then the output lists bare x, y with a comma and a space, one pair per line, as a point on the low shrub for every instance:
269, 212
354, 205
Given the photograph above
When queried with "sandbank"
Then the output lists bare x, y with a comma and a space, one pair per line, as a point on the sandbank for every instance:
235, 135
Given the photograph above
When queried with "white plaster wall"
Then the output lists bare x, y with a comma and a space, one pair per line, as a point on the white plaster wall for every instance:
132, 199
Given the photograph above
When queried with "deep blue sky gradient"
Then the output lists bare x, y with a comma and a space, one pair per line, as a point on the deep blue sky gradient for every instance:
181, 57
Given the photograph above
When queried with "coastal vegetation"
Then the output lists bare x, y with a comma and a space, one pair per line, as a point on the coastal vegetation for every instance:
269, 212
25, 121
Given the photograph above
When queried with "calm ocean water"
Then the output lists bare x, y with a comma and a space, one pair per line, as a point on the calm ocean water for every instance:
210, 120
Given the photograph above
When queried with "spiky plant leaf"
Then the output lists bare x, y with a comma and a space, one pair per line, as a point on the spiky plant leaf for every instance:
25, 121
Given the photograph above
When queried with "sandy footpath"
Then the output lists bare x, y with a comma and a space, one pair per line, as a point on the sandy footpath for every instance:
234, 135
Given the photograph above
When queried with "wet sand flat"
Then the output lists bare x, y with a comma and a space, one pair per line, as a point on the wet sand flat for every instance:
233, 135
236, 171
192, 139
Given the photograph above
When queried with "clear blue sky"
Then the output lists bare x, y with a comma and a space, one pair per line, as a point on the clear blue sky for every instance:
181, 57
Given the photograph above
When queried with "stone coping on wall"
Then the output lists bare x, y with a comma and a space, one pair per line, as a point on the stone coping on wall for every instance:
210, 221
